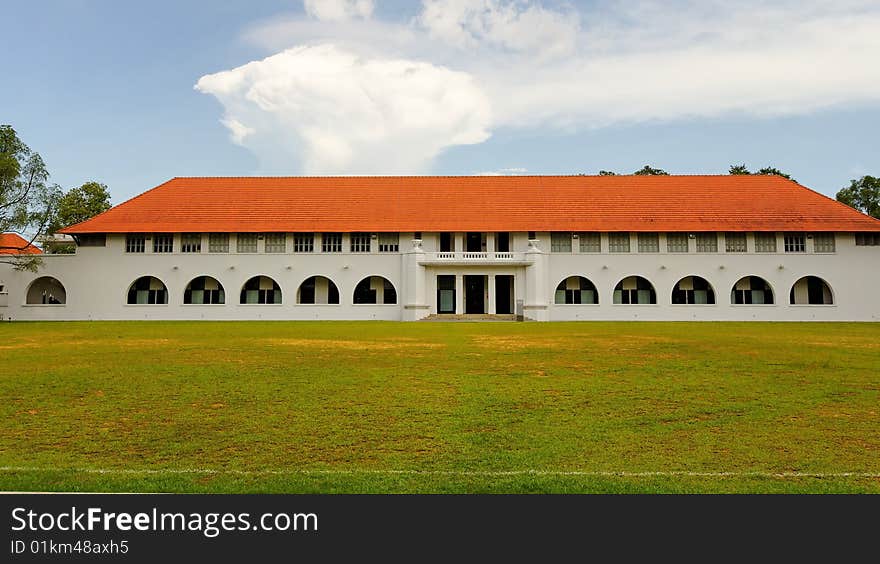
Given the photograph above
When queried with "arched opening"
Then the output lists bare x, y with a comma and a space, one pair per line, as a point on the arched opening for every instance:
693, 290
147, 290
576, 290
811, 290
635, 290
375, 290
204, 290
47, 291
751, 290
260, 290
317, 290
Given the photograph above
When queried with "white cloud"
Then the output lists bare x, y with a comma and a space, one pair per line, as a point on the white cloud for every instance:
337, 112
517, 26
513, 171
338, 10
364, 95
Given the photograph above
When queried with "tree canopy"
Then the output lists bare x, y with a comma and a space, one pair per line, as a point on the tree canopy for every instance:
862, 194
27, 200
79, 204
648, 170
742, 169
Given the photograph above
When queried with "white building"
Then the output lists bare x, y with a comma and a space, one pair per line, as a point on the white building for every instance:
404, 248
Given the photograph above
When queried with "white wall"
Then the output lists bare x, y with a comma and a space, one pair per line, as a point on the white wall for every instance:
97, 279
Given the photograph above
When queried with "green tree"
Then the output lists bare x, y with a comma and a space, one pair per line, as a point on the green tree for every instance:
648, 170
739, 169
774, 170
607, 173
862, 194
80, 204
27, 200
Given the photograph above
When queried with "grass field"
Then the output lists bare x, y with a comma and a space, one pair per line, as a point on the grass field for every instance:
440, 407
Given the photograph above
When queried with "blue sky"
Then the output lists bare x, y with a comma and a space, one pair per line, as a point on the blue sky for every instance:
105, 90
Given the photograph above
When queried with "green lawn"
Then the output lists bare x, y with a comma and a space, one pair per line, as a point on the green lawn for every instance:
440, 407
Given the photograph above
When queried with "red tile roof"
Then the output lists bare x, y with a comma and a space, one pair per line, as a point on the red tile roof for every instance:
13, 244
479, 203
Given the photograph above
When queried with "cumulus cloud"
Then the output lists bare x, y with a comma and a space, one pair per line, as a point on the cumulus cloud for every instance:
338, 10
359, 94
339, 113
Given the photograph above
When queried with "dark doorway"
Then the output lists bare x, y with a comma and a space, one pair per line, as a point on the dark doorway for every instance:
447, 243
504, 294
446, 294
475, 243
475, 294
502, 242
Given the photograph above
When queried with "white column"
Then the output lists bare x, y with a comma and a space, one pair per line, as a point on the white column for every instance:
459, 294
490, 245
412, 293
490, 280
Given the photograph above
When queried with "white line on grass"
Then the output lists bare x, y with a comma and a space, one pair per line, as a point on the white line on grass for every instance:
463, 473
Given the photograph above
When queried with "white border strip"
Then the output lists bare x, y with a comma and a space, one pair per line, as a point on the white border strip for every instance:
462, 473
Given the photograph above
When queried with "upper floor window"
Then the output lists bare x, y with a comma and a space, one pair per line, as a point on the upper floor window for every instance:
765, 242
649, 243
246, 243
735, 243
590, 242
191, 243
867, 239
618, 242
794, 243
360, 242
447, 242
823, 243
389, 242
163, 243
560, 242
676, 243
331, 242
218, 243
304, 242
135, 243
707, 242
276, 243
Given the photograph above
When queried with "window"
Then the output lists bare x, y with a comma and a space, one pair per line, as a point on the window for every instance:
823, 243
163, 243
317, 290
92, 240
375, 290
707, 242
147, 290
765, 242
45, 290
693, 290
634, 290
590, 242
735, 243
389, 242
276, 243
135, 243
447, 243
532, 235
502, 242
360, 242
794, 243
218, 243
331, 242
204, 290
246, 243
867, 239
751, 290
618, 242
576, 290
560, 242
810, 290
649, 243
676, 242
191, 243
260, 290
304, 242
